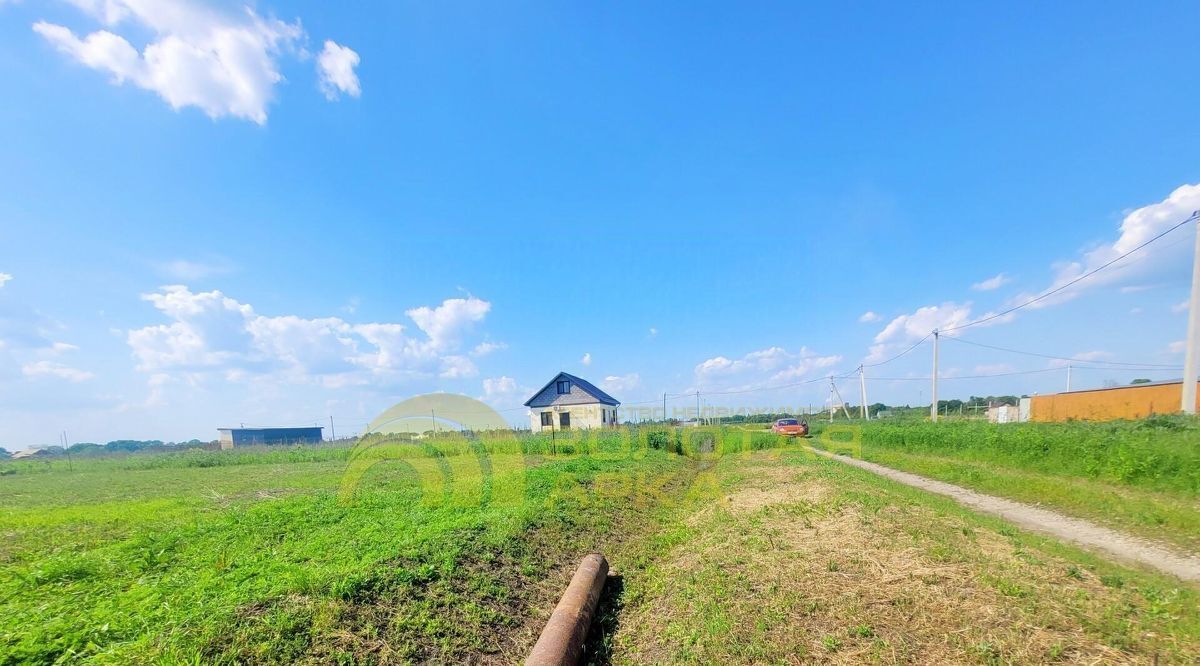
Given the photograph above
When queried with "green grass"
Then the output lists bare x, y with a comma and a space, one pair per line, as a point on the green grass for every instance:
271, 556
250, 556
1142, 477
802, 558
1160, 453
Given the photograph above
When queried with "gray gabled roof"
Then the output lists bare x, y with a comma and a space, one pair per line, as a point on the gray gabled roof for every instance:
584, 384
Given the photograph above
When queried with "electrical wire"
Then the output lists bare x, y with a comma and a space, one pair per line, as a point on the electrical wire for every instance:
1064, 358
914, 346
1086, 275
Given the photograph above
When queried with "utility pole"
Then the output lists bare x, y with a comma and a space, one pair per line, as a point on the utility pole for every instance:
67, 450
833, 387
933, 404
697, 408
1068, 378
664, 408
862, 387
332, 432
1191, 358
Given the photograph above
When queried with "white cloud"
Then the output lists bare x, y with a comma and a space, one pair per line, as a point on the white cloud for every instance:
211, 333
1177, 347
615, 383
587, 358
4, 277
1180, 307
992, 369
53, 369
771, 365
653, 332
920, 323
484, 348
906, 329
335, 67
869, 317
1136, 228
221, 62
446, 323
994, 282
499, 387
1136, 288
457, 367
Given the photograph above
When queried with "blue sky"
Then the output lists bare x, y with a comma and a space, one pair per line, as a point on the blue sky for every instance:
214, 213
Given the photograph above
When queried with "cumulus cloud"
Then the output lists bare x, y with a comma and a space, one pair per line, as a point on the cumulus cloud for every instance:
1136, 228
221, 62
447, 322
771, 365
211, 333
335, 69
869, 317
4, 277
618, 383
906, 329
587, 358
918, 324
1177, 347
1181, 306
994, 282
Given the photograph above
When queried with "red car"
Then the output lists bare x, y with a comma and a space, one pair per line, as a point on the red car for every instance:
791, 428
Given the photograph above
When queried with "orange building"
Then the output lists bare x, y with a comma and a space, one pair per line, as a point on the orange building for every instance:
1123, 402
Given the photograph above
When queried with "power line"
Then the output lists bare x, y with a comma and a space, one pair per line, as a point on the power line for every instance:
944, 378
1064, 358
915, 345
1086, 275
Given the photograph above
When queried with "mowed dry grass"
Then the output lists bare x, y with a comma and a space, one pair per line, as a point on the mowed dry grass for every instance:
795, 560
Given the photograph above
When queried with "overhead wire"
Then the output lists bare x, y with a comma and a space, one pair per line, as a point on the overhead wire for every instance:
997, 315
1063, 358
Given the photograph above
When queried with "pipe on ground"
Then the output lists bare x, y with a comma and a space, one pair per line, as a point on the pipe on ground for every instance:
561, 642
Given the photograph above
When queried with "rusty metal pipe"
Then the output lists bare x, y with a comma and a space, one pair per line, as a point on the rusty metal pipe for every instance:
561, 642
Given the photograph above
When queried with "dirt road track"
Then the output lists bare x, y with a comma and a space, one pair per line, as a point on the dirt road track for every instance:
1080, 532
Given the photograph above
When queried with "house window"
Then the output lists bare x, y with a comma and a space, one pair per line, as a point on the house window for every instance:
564, 420
547, 419
564, 386
604, 416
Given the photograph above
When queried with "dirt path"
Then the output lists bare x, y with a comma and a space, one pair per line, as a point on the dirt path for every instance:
1080, 532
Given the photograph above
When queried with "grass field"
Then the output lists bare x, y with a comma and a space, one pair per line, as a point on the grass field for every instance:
270, 556
799, 559
235, 557
1141, 477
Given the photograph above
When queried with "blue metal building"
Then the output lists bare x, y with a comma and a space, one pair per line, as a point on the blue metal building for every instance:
231, 437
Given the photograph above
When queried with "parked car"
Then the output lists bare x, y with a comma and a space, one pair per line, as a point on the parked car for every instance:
791, 427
